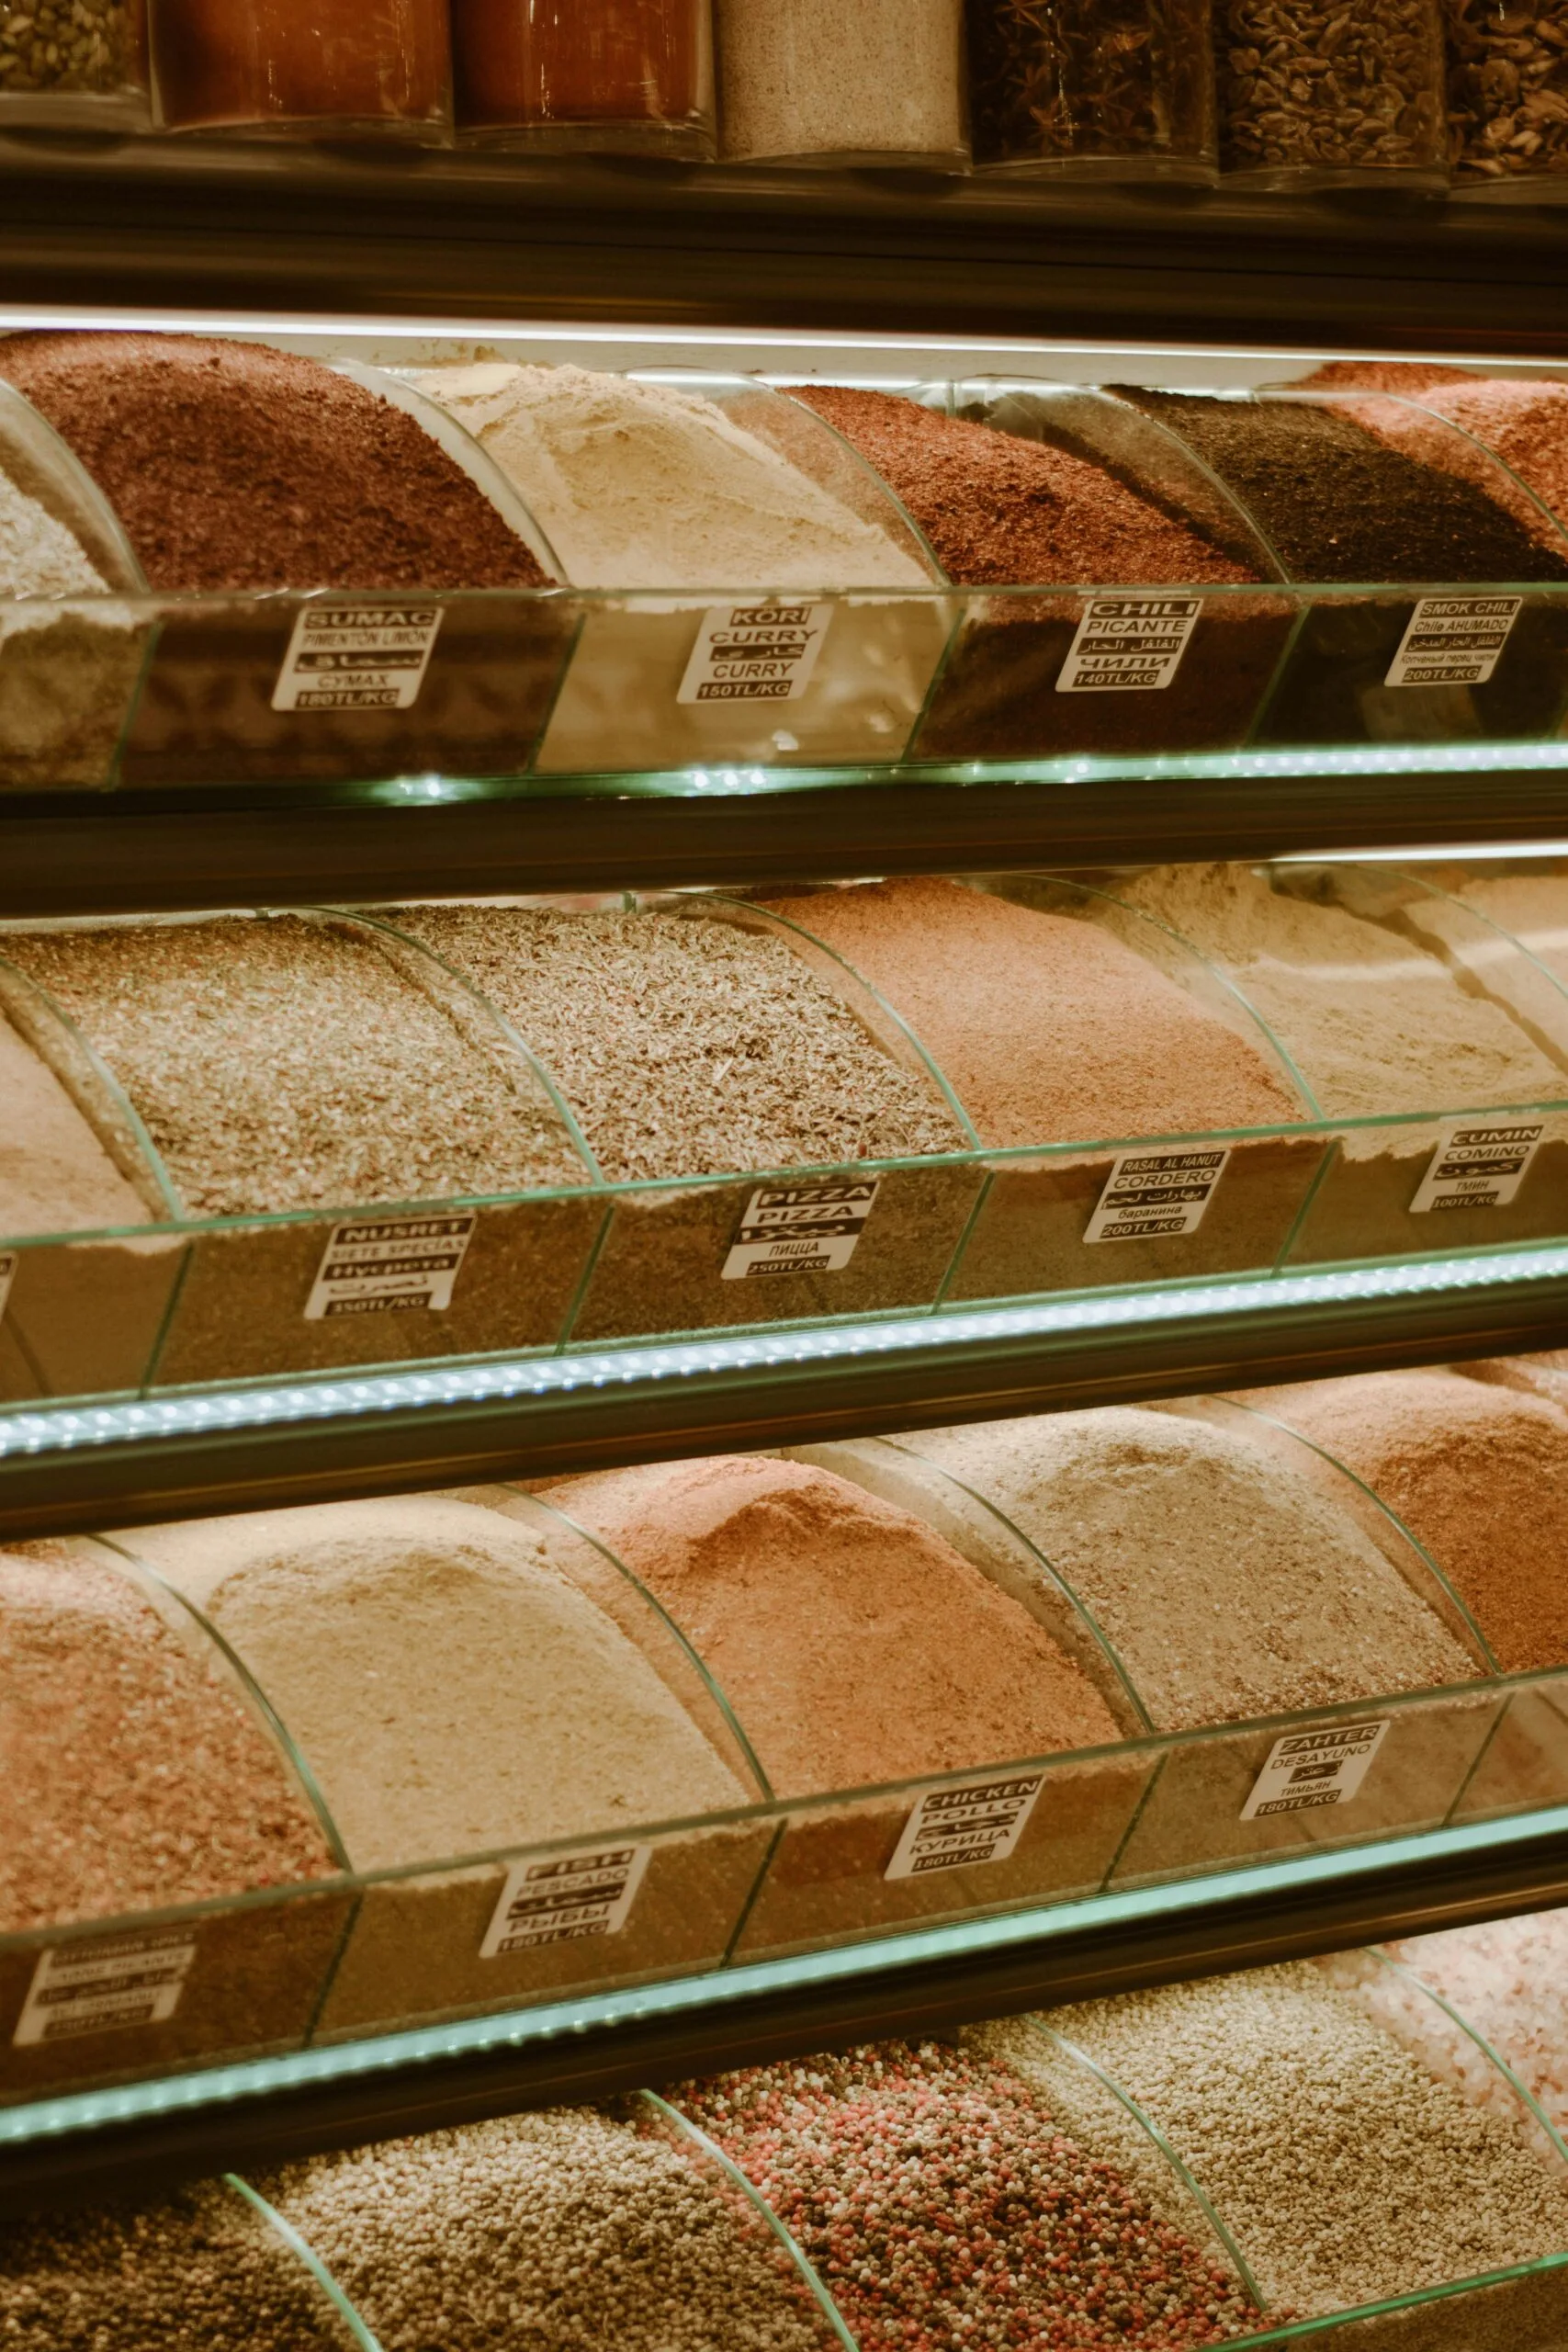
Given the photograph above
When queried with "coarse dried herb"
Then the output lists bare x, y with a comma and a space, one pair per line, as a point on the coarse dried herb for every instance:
1507, 88
1338, 87
1058, 81
75, 45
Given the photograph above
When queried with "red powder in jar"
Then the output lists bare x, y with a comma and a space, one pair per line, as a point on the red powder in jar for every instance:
533, 62
372, 63
235, 467
1000, 510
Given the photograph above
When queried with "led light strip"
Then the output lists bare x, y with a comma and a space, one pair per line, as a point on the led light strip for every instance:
62, 1429
517, 2028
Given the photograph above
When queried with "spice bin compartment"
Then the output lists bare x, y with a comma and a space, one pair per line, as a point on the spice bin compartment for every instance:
605, 1903
793, 672
862, 1862
74, 68
676, 1255
1419, 1765
88, 2001
1306, 107
880, 87
1033, 1232
1525, 1763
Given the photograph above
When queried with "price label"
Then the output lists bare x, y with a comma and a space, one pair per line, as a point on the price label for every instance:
390, 1265
755, 653
1454, 640
1307, 1770
800, 1228
358, 657
565, 1899
1129, 644
1478, 1167
105, 1987
1155, 1195
951, 1829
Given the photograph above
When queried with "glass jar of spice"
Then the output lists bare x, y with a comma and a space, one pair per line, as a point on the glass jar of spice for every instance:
1508, 100
1332, 93
1093, 89
630, 77
877, 82
304, 69
73, 65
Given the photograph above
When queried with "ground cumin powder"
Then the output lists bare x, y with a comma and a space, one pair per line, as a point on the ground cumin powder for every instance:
1047, 1029
1480, 1477
854, 1645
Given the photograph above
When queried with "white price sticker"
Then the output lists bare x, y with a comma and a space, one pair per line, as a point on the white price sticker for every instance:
755, 653
9, 1260
357, 657
950, 1830
1129, 644
105, 1987
565, 1899
1309, 1769
1453, 640
800, 1228
390, 1265
1478, 1167
1155, 1195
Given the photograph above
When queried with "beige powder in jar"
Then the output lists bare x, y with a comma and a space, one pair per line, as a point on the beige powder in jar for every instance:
811, 80
1229, 1584
452, 1689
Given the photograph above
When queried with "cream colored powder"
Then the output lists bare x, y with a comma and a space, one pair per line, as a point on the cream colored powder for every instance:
1375, 1023
38, 556
646, 486
1533, 908
1231, 1587
451, 1690
55, 1176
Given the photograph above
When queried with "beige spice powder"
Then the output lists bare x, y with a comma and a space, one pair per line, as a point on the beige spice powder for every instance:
55, 1176
1230, 1585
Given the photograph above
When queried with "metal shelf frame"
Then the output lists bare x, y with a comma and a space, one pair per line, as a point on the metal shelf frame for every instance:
182, 225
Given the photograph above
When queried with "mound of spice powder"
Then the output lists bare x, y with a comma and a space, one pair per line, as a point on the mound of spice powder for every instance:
453, 1689
55, 1176
1532, 908
1229, 1582
855, 1646
1338, 503
281, 1064
132, 1775
1480, 1477
1047, 1029
1000, 510
1510, 1980
200, 2271
1345, 2170
942, 2208
233, 466
570, 2230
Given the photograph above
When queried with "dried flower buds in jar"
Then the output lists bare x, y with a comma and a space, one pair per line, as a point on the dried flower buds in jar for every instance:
1508, 97
1332, 93
1104, 89
618, 76
72, 62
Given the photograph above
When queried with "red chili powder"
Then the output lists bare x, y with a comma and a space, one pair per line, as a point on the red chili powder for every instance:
855, 1646
350, 62
1478, 1474
234, 466
1001, 509
1047, 1028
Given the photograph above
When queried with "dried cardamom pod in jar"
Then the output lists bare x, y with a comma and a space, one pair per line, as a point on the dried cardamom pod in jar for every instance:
73, 64
1333, 92
1508, 99
1093, 89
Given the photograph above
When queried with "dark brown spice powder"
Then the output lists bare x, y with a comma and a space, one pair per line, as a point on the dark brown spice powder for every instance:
235, 467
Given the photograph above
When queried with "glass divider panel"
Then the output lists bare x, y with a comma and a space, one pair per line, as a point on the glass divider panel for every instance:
354, 2326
